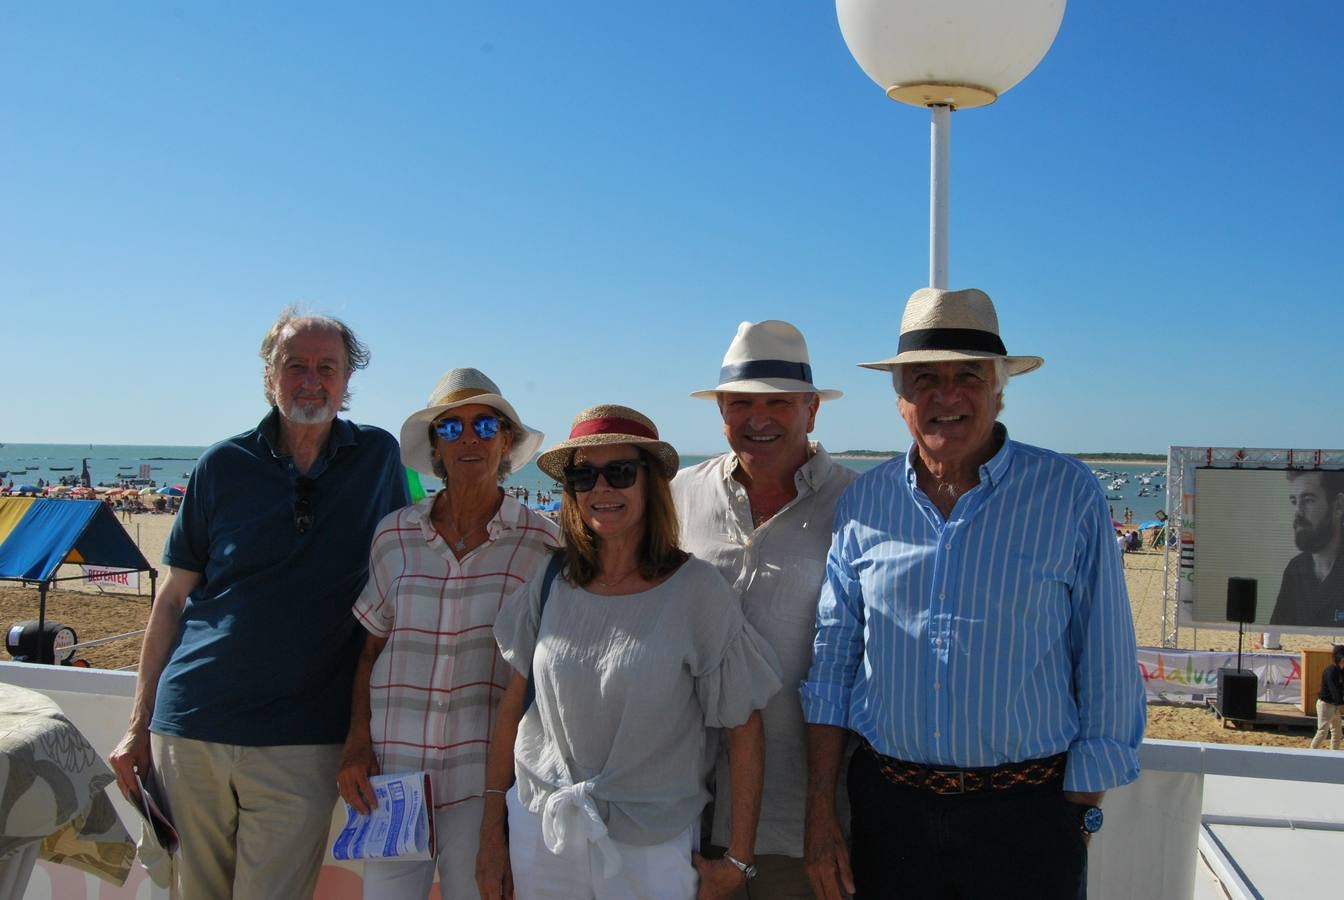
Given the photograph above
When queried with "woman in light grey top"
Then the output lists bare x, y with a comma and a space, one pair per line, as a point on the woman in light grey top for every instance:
638, 651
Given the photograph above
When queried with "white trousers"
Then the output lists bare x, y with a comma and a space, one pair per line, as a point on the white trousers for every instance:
660, 872
457, 832
1327, 721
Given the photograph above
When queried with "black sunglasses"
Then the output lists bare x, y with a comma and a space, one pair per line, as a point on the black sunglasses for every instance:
450, 429
305, 489
619, 473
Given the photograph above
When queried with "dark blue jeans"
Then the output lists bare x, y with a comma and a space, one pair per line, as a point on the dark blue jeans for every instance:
907, 842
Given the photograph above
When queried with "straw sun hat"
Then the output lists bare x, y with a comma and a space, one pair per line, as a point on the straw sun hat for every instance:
609, 424
945, 326
766, 357
461, 387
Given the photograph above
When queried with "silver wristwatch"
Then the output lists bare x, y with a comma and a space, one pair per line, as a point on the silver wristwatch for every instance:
746, 869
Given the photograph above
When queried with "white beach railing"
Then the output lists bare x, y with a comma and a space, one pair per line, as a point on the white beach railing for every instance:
1193, 803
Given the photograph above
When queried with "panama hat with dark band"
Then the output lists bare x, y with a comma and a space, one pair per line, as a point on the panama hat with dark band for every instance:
945, 326
767, 357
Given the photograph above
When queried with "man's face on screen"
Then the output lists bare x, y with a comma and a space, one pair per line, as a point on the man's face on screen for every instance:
1315, 515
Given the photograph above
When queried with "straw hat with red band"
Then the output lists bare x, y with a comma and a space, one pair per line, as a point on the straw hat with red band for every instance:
609, 424
460, 387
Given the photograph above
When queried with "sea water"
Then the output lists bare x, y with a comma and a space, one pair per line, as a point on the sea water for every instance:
171, 464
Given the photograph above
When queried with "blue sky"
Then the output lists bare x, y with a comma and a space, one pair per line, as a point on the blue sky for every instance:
584, 199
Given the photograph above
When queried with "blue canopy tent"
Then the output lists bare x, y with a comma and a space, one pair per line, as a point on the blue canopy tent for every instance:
38, 536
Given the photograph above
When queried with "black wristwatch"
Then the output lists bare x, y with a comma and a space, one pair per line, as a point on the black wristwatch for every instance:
1090, 819
747, 869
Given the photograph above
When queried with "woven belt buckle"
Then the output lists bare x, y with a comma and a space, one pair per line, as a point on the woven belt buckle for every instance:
947, 781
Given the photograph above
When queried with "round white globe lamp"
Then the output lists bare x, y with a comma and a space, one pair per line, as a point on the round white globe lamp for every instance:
946, 55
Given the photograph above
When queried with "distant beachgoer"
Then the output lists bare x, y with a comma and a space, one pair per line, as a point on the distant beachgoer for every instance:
1312, 589
761, 514
430, 677
989, 733
1129, 516
1329, 700
242, 700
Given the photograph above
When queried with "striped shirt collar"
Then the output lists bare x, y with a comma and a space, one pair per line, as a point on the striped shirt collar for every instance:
510, 515
991, 473
810, 475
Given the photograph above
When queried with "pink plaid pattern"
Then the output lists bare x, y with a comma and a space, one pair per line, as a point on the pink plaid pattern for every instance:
435, 686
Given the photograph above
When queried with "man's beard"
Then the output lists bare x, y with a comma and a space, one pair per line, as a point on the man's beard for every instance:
300, 413
1311, 538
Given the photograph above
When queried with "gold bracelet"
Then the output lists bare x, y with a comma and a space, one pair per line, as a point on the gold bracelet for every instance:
503, 793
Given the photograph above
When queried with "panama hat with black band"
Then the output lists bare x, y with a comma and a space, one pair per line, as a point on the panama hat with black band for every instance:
946, 326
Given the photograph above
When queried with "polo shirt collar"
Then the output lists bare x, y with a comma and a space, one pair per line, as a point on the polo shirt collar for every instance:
342, 434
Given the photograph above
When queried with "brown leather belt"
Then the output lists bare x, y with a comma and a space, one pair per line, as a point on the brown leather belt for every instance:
950, 781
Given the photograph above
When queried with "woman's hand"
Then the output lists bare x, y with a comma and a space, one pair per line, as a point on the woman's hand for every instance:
494, 875
357, 764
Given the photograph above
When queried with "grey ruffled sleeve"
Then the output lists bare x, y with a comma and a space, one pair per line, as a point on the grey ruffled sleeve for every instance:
518, 620
747, 675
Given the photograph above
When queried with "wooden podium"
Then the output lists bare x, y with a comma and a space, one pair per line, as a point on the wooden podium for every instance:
1313, 664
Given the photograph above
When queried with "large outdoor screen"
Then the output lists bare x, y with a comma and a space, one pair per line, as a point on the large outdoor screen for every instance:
1285, 529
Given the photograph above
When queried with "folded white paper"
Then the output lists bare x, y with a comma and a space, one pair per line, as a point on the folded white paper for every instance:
401, 826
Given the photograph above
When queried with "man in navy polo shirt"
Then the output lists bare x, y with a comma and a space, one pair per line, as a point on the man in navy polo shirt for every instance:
243, 697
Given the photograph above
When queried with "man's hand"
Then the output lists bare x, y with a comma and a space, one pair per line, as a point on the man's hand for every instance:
826, 856
718, 878
130, 756
357, 764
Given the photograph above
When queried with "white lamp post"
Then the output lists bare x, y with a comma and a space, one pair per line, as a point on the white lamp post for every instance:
946, 55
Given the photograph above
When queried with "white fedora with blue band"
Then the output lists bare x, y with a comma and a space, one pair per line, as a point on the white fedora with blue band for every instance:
767, 357
945, 326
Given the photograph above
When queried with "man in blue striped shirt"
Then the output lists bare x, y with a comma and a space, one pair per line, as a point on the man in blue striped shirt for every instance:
974, 630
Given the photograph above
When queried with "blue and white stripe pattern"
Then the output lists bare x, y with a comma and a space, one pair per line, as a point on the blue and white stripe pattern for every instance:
999, 635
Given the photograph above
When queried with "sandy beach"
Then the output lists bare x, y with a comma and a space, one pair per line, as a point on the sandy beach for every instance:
95, 613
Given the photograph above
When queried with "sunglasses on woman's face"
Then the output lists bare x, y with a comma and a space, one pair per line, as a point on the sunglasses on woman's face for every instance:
619, 473
450, 429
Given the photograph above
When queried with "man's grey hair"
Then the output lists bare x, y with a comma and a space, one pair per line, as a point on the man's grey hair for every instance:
1000, 378
291, 321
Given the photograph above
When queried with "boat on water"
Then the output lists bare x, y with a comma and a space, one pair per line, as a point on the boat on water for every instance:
62, 468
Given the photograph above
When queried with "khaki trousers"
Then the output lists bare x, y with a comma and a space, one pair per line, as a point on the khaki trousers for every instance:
1327, 722
253, 821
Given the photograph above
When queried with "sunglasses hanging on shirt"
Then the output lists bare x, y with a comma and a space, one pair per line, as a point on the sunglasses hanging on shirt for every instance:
305, 492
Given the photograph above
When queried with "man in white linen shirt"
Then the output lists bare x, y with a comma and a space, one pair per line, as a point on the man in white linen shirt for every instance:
761, 514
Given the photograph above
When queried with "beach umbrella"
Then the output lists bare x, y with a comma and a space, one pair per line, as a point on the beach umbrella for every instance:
1151, 523
145, 492
168, 491
26, 489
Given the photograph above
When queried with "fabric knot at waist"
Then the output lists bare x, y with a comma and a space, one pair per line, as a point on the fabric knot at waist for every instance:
571, 816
